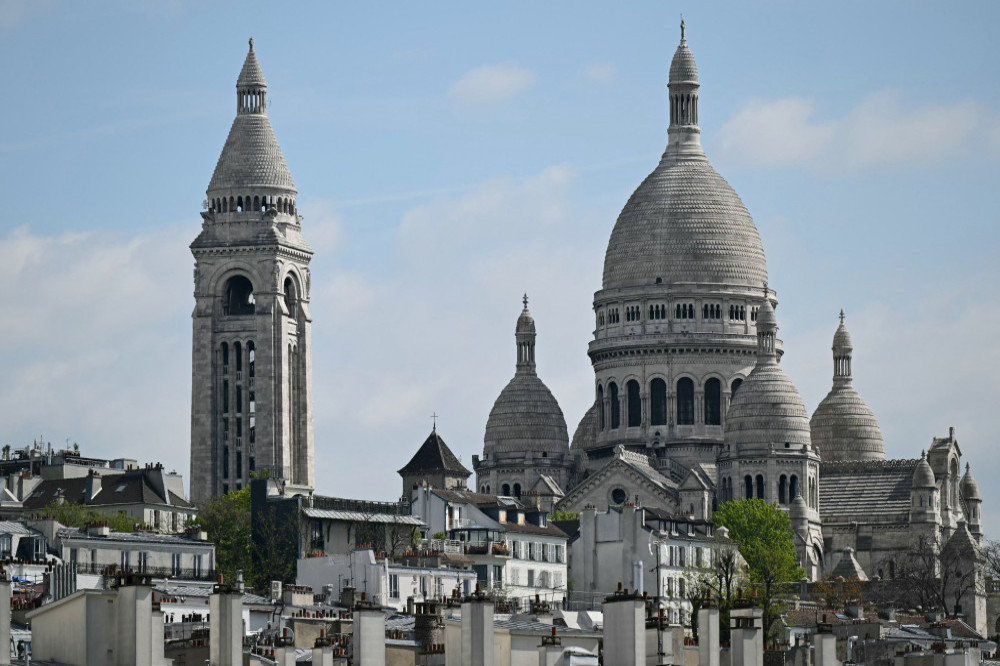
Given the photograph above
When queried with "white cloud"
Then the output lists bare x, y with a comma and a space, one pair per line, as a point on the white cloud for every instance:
881, 131
96, 341
601, 72
492, 83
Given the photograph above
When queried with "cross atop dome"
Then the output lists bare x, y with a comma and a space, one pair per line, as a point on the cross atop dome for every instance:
525, 299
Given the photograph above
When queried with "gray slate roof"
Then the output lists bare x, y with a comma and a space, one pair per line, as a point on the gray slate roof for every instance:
128, 488
433, 456
853, 488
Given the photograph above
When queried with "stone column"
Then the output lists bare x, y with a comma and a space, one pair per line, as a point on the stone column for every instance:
708, 637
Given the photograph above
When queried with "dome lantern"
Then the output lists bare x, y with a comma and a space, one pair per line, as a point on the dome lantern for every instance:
524, 334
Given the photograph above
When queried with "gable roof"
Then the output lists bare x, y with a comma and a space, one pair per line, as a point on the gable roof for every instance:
853, 488
627, 462
435, 456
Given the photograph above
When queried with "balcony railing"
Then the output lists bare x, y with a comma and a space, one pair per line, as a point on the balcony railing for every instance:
184, 573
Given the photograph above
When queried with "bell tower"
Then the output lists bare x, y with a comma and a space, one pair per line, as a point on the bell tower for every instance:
251, 379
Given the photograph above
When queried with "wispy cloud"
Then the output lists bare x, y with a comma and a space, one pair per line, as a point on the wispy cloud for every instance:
15, 13
881, 131
601, 72
492, 83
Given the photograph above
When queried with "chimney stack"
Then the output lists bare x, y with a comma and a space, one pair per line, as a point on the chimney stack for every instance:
369, 635
708, 637
4, 620
747, 637
225, 630
624, 629
825, 650
477, 630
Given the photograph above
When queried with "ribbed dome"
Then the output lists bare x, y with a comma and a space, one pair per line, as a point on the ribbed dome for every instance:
586, 432
526, 417
683, 67
923, 475
767, 410
842, 339
684, 223
968, 486
251, 158
843, 426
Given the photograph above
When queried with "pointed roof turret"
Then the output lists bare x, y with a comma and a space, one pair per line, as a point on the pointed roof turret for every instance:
251, 162
435, 456
251, 76
843, 426
968, 486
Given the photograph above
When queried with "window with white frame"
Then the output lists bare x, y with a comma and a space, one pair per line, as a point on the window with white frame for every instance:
394, 586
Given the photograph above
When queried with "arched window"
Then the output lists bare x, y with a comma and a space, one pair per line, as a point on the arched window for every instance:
658, 402
291, 296
225, 358
256, 203
600, 407
713, 402
517, 490
685, 401
734, 387
238, 353
634, 404
239, 296
616, 408
239, 204
793, 486
782, 487
748, 486
760, 486
505, 490
252, 357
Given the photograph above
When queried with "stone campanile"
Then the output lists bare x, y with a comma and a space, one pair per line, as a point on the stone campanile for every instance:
251, 380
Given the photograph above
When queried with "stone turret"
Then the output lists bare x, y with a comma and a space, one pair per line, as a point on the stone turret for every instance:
973, 503
843, 427
924, 496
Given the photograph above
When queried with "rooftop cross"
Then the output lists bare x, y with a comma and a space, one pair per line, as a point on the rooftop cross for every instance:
434, 418
841, 316
525, 299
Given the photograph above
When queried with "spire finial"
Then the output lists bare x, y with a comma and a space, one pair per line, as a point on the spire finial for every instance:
765, 288
434, 421
682, 27
966, 467
841, 316
251, 43
525, 299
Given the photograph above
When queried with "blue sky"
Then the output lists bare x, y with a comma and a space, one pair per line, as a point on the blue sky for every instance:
451, 156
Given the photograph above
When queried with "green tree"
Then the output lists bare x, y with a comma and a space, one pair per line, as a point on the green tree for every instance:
764, 534
564, 515
79, 515
226, 520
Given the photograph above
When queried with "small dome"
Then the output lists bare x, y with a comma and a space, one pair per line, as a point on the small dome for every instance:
767, 410
923, 475
968, 486
525, 322
766, 316
842, 339
799, 509
683, 68
843, 426
526, 417
585, 436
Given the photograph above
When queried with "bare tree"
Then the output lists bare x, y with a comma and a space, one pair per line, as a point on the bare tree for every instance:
938, 577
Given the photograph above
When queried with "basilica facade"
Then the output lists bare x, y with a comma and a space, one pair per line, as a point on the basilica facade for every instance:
691, 407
